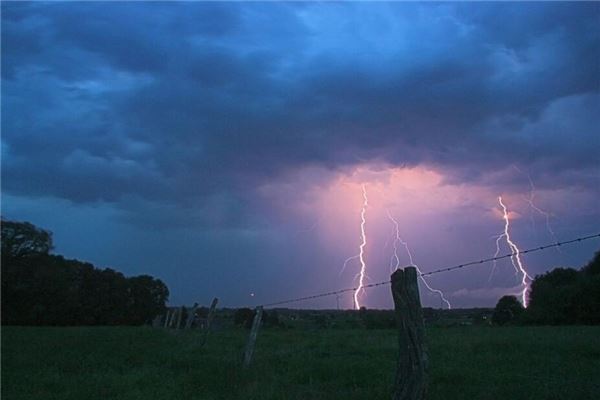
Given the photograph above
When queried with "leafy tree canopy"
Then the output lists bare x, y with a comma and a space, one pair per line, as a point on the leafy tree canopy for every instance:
20, 239
43, 289
593, 267
508, 310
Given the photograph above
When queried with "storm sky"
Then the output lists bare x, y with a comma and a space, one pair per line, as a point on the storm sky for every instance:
223, 147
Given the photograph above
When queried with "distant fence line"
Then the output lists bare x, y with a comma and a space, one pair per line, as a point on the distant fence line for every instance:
173, 318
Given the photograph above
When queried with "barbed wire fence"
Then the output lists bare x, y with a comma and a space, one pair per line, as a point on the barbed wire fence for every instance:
407, 309
436, 271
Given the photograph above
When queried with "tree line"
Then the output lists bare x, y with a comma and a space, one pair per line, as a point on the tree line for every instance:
563, 296
39, 288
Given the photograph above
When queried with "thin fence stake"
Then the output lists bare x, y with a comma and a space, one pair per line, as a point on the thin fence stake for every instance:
179, 316
167, 316
191, 316
411, 373
209, 318
172, 318
252, 337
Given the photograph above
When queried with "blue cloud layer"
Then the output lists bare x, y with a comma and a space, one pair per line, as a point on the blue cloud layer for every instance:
173, 113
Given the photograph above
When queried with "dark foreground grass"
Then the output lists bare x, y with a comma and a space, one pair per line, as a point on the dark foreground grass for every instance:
142, 363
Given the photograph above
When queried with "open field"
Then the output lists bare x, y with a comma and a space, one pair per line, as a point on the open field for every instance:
144, 363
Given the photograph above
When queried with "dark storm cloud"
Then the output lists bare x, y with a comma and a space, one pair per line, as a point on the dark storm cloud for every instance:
168, 107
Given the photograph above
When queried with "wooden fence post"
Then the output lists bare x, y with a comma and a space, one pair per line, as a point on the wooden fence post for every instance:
252, 337
191, 316
411, 374
209, 318
179, 316
167, 317
173, 317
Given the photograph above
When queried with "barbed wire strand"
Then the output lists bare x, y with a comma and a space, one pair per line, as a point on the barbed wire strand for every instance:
437, 271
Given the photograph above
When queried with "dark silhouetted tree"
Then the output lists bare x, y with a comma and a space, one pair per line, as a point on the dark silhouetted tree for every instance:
587, 305
508, 310
593, 267
21, 239
44, 289
147, 298
552, 297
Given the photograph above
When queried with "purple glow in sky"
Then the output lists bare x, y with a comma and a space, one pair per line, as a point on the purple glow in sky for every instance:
222, 147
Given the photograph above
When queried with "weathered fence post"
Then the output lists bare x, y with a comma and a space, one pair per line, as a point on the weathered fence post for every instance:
169, 319
411, 374
252, 337
191, 316
209, 318
179, 316
173, 317
167, 316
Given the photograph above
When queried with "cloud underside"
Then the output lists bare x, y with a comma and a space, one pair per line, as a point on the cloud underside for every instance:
185, 109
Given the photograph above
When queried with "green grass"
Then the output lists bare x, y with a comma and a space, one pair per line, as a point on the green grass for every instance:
142, 363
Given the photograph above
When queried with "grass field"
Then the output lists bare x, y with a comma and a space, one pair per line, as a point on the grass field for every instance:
144, 363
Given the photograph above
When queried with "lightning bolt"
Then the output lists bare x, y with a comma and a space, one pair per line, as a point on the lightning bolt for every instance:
495, 263
361, 253
534, 207
346, 261
516, 253
530, 200
398, 239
